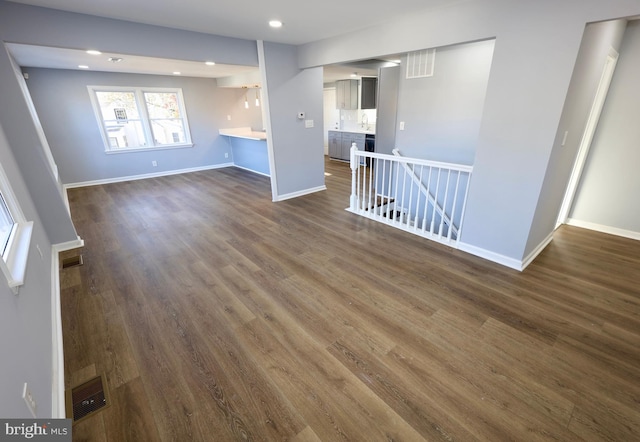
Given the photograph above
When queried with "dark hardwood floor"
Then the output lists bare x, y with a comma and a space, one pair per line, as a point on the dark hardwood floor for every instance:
217, 315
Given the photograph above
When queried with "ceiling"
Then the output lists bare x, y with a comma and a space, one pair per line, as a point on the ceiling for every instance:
304, 21
61, 58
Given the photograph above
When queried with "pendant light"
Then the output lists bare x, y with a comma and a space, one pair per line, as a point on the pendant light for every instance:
246, 101
257, 99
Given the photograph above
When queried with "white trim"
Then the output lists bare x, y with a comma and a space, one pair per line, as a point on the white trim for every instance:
14, 263
492, 256
535, 252
604, 229
505, 260
144, 117
57, 372
299, 193
587, 135
252, 170
145, 176
117, 151
267, 119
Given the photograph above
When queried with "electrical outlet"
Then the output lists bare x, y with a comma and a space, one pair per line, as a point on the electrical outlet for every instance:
228, 117
226, 154
154, 163
29, 399
402, 125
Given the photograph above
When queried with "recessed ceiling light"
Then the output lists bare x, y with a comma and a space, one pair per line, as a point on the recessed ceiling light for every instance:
275, 23
83, 66
354, 75
210, 63
115, 59
94, 52
176, 73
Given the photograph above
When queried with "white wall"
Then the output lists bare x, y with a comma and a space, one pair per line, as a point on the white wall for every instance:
63, 104
608, 192
535, 51
442, 113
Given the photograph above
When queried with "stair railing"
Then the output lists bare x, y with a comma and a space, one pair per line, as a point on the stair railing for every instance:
427, 198
430, 197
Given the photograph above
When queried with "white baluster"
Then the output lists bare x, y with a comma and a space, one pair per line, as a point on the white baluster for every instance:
354, 167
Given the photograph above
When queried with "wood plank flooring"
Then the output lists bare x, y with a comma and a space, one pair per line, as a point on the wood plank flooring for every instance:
217, 315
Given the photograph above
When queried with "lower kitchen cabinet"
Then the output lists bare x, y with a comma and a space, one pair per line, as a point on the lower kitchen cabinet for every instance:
340, 144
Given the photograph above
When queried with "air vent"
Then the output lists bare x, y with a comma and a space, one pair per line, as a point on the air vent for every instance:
87, 399
420, 63
72, 262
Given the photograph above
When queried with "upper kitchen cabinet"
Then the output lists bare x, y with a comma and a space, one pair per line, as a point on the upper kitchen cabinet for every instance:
369, 93
347, 94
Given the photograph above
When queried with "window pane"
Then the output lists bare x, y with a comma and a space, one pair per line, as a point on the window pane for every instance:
163, 105
121, 118
125, 135
118, 105
168, 131
6, 225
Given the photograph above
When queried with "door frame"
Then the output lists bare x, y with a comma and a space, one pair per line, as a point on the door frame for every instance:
587, 136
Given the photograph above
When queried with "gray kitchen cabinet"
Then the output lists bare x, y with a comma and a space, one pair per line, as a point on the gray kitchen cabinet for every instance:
335, 146
347, 94
369, 91
348, 138
340, 144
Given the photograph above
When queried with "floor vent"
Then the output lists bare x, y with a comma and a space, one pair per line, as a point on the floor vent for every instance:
72, 262
87, 399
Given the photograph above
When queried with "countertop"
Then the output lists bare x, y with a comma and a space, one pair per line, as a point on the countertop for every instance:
354, 131
244, 132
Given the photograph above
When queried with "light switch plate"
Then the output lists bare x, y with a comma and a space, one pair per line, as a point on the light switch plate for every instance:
308, 123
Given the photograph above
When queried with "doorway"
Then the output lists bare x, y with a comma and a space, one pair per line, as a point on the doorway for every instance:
587, 136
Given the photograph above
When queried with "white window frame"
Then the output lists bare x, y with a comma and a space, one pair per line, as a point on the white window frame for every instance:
144, 118
14, 259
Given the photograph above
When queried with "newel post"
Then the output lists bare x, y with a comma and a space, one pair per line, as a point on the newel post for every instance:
354, 167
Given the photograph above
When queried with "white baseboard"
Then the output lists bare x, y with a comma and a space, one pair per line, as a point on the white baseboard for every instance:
604, 229
58, 410
288, 196
145, 176
506, 260
252, 170
535, 252
491, 256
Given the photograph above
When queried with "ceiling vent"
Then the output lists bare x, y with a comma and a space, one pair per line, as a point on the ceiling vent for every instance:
420, 63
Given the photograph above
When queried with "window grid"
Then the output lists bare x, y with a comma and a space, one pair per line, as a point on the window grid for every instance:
140, 118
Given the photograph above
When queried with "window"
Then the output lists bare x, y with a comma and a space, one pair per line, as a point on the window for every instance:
7, 225
15, 235
140, 118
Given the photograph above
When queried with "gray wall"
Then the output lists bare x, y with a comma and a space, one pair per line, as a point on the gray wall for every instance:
25, 319
608, 192
388, 89
64, 107
22, 135
597, 39
41, 26
442, 113
535, 51
298, 152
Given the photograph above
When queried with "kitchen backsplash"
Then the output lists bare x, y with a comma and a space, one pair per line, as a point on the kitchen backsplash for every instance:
358, 120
